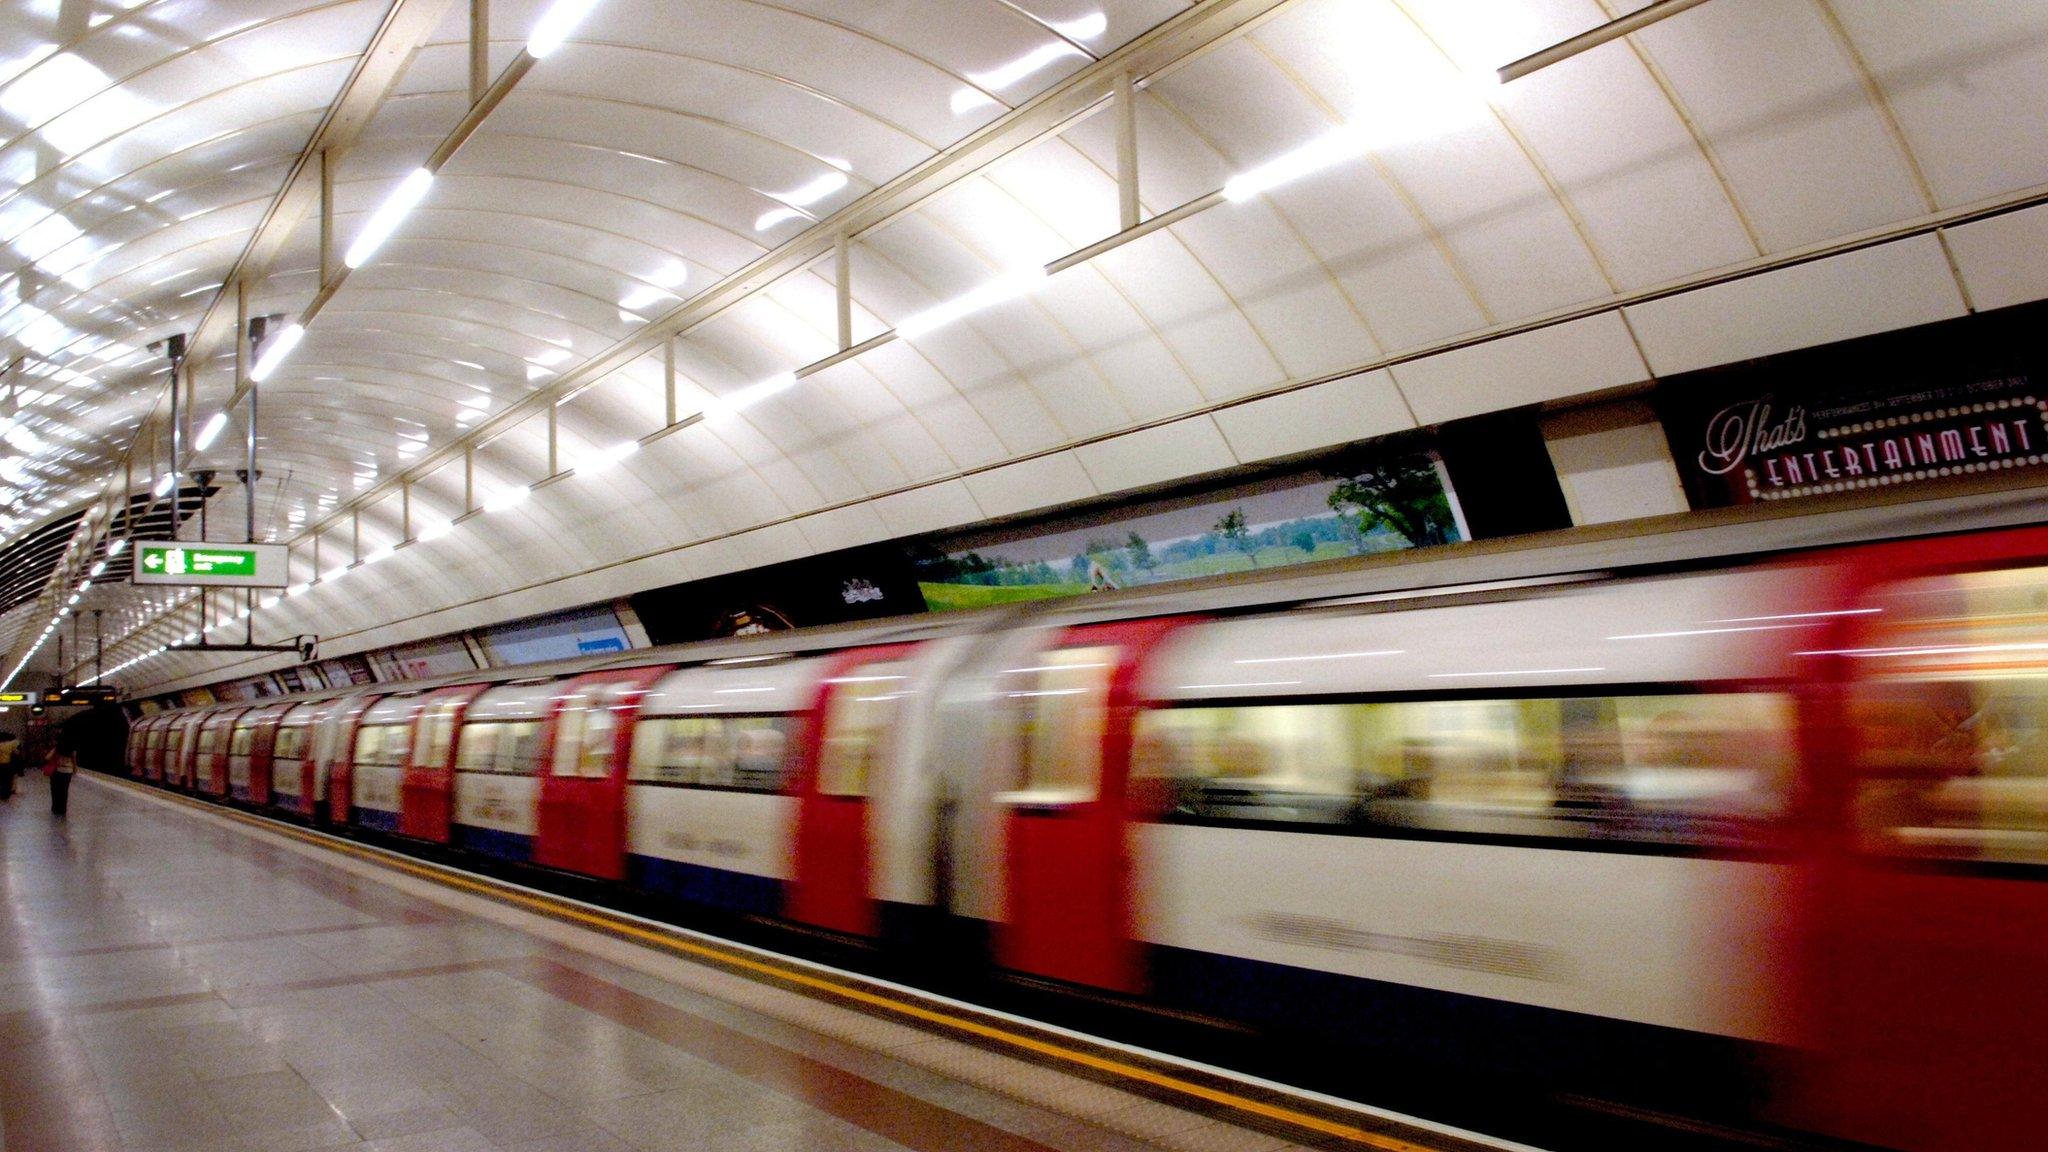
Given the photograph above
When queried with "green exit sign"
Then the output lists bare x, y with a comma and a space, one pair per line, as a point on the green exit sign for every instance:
239, 565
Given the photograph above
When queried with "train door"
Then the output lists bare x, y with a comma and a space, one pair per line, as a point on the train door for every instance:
148, 739
264, 730
210, 764
854, 722
334, 750
252, 728
184, 745
290, 766
1067, 716
1931, 910
581, 822
427, 789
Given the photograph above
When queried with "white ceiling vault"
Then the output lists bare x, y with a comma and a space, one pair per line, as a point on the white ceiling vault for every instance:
1743, 177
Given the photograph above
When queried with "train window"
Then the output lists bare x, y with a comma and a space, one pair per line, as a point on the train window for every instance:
587, 732
1695, 767
381, 745
243, 739
435, 733
864, 714
291, 743
209, 740
506, 747
1058, 711
744, 752
1951, 709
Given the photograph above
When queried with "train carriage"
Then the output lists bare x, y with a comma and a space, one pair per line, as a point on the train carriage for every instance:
496, 768
1673, 829
377, 754
708, 819
294, 771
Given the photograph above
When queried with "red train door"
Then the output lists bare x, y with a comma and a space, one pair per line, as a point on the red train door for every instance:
1929, 915
580, 825
1068, 910
216, 736
853, 723
337, 746
426, 792
261, 755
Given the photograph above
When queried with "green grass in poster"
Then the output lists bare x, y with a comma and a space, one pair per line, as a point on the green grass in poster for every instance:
948, 597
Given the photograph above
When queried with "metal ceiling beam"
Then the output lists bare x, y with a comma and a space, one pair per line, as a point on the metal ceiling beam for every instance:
1164, 48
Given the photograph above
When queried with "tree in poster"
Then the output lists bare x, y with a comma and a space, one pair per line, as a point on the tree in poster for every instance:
1403, 494
1141, 553
1237, 534
1306, 541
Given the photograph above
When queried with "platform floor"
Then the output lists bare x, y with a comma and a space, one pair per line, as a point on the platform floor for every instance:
172, 980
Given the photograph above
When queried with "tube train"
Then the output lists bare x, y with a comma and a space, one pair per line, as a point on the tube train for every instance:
1620, 813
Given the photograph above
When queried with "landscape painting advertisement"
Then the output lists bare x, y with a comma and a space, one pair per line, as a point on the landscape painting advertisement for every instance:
1382, 505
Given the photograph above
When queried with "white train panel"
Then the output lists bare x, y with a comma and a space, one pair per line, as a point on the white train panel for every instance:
375, 787
1676, 941
501, 803
735, 831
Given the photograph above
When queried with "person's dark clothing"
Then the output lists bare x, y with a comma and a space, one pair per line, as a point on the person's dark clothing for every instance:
60, 793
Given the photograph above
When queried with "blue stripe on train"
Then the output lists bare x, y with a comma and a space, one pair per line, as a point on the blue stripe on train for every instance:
1539, 1048
491, 842
377, 820
713, 887
240, 792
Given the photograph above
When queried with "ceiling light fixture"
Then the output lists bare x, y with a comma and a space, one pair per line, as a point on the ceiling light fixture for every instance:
1020, 283
210, 432
749, 396
275, 350
389, 216
555, 26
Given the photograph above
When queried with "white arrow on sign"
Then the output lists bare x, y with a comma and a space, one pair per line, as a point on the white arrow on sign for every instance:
153, 561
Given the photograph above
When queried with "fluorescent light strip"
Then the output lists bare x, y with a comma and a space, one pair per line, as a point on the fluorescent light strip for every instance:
1322, 656
389, 216
1022, 282
749, 396
555, 26
1512, 672
275, 350
210, 432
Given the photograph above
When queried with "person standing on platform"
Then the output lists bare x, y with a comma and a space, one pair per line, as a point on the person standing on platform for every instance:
9, 745
63, 762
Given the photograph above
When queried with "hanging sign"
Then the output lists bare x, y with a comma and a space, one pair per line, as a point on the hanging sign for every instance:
236, 565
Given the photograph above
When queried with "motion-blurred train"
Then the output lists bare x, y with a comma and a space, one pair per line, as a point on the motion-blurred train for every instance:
1621, 812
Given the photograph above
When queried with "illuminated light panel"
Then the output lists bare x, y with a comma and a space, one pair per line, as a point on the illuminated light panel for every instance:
1037, 60
997, 291
389, 216
750, 395
210, 432
605, 459
556, 25
509, 498
275, 350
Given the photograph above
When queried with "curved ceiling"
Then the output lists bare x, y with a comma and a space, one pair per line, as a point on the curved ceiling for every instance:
1746, 176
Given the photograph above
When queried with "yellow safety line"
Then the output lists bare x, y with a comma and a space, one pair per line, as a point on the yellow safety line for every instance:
562, 909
